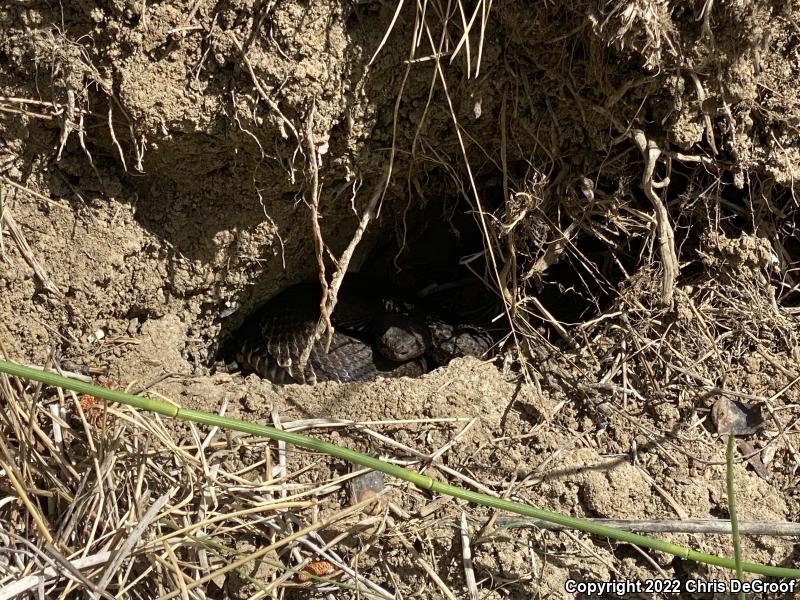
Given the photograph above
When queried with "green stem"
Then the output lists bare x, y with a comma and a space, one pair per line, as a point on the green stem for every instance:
421, 481
737, 541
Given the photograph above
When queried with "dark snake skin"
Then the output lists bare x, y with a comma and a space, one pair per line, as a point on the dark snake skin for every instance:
373, 337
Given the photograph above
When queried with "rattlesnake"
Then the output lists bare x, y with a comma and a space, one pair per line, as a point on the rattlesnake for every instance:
373, 336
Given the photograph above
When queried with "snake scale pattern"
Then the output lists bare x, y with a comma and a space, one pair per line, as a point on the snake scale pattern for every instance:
373, 337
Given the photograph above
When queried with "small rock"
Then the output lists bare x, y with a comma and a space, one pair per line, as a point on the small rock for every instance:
736, 418
366, 486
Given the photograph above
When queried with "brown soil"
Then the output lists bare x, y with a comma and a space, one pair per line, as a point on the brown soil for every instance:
153, 159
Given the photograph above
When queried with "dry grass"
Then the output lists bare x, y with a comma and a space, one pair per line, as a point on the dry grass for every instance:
112, 502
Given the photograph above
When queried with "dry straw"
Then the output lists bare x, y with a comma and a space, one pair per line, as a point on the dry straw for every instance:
146, 512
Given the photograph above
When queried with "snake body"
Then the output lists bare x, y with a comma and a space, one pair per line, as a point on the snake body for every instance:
373, 336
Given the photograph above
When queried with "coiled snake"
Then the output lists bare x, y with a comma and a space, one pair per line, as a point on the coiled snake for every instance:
373, 336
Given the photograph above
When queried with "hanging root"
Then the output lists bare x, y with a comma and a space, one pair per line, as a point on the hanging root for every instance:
666, 237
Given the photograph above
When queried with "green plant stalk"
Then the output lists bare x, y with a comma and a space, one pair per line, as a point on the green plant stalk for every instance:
421, 481
737, 541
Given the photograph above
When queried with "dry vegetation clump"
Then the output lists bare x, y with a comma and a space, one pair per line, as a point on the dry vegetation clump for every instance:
672, 365
155, 511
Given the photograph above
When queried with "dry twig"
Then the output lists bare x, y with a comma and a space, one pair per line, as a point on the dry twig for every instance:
27, 254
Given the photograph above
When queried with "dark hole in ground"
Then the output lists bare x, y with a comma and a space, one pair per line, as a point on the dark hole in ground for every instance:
584, 283
439, 264
436, 265
438, 261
